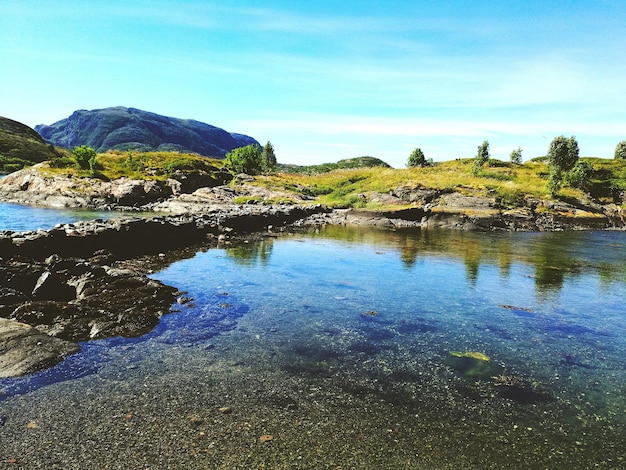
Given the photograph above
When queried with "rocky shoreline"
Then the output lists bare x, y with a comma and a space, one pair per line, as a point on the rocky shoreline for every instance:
89, 280
82, 281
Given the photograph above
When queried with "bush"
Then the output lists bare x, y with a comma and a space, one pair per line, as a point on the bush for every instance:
563, 153
245, 160
85, 157
580, 176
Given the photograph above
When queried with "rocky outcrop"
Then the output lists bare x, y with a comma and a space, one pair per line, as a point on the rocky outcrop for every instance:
121, 128
33, 186
46, 307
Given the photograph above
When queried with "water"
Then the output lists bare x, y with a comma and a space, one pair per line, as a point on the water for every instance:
20, 218
343, 345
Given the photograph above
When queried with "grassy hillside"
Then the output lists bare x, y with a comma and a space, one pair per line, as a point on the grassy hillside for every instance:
359, 162
344, 187
21, 146
138, 165
508, 183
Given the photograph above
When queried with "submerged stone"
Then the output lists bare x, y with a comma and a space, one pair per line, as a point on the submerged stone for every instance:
473, 365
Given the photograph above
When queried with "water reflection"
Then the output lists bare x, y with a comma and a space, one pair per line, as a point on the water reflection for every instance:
249, 254
554, 256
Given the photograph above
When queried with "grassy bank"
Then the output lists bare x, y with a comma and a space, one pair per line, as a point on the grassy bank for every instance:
339, 186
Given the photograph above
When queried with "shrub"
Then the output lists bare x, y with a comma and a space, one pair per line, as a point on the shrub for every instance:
563, 153
245, 160
85, 157
62, 162
580, 176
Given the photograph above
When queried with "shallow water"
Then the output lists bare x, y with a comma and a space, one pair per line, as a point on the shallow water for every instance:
338, 344
20, 218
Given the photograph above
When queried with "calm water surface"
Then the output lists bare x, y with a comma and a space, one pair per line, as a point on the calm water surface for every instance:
353, 348
20, 218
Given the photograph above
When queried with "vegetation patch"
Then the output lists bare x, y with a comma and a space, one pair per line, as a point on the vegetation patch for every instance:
158, 166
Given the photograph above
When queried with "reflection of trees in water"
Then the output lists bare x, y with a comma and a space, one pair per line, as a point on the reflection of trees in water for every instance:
249, 254
554, 256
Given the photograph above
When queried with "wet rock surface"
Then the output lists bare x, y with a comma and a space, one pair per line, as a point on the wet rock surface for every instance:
48, 306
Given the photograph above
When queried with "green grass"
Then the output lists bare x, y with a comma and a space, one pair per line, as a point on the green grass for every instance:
508, 183
157, 166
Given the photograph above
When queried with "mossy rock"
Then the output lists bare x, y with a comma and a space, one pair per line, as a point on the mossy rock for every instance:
473, 365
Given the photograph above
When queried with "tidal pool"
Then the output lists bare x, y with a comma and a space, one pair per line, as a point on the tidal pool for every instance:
353, 348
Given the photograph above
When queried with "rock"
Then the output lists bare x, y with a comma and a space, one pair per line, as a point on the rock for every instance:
49, 286
24, 350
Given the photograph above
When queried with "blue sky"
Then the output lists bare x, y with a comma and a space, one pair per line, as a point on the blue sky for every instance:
327, 80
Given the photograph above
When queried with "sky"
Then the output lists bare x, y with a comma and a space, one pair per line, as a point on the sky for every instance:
327, 80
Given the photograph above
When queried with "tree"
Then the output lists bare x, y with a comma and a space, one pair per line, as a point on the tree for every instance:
417, 158
563, 153
620, 151
268, 158
562, 157
85, 157
516, 156
245, 160
481, 157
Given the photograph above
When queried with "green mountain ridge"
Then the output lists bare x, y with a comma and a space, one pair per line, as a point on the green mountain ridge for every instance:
121, 128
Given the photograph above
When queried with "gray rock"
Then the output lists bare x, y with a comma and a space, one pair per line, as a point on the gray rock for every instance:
24, 350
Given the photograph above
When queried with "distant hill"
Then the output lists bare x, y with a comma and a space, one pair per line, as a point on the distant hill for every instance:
358, 162
21, 146
122, 128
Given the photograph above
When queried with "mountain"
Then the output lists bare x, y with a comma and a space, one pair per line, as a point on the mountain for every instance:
20, 146
122, 128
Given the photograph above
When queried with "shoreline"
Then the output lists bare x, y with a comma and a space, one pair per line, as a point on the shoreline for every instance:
68, 257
